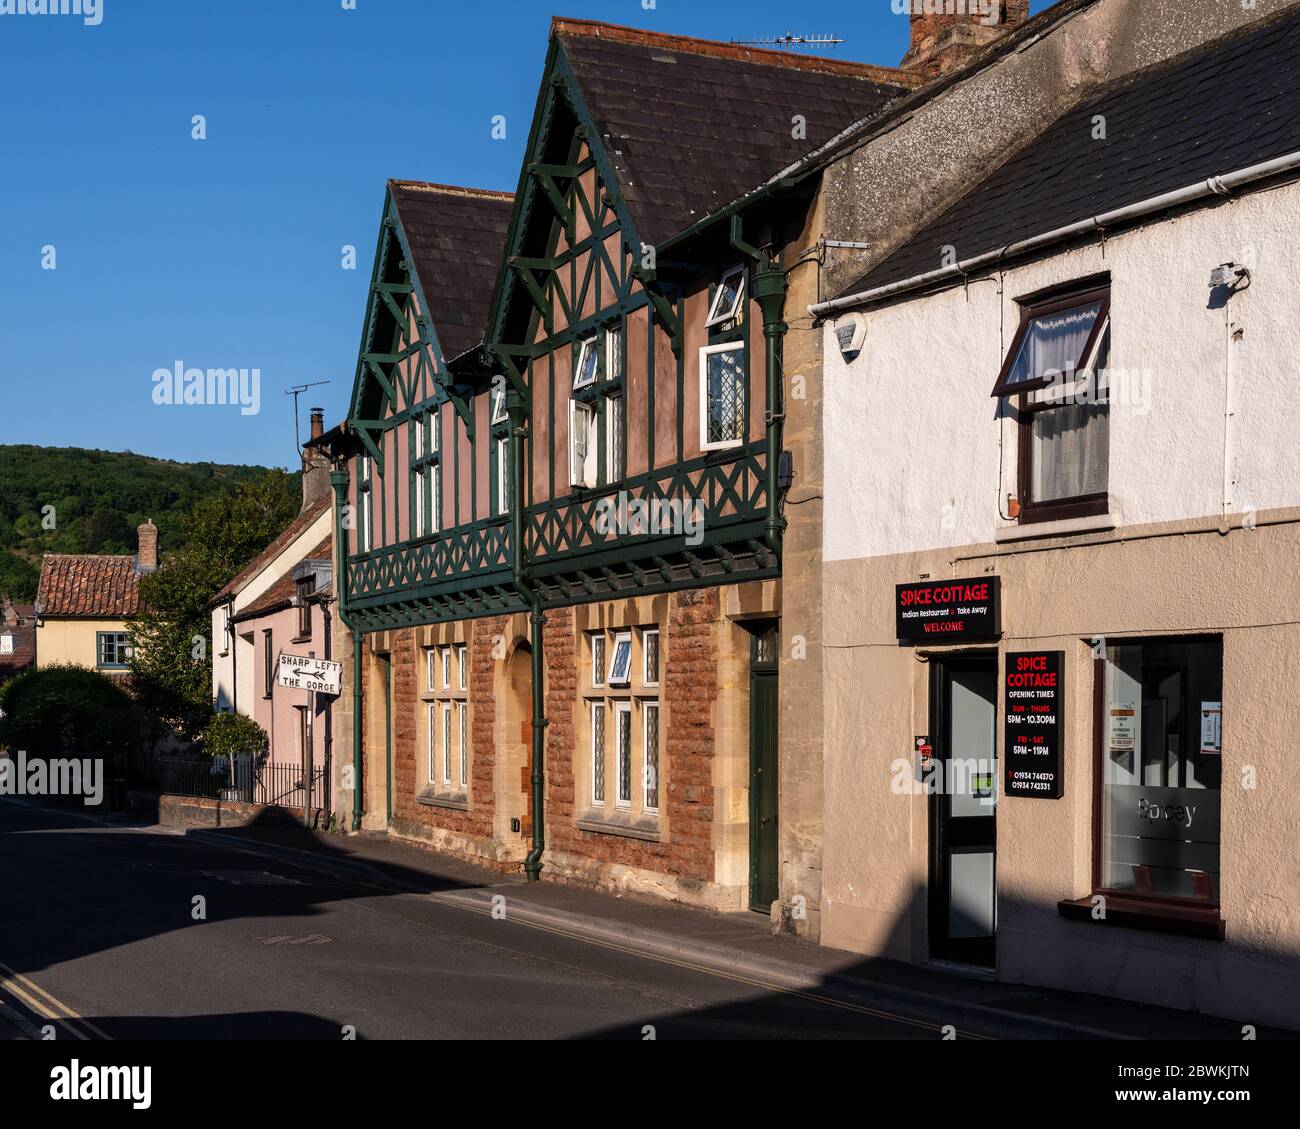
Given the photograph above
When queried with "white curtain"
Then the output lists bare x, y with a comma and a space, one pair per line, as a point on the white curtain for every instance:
1055, 343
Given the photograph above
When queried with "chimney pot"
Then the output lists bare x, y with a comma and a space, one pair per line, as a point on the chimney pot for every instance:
147, 558
317, 422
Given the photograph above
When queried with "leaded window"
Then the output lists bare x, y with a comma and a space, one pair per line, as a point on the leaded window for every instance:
722, 395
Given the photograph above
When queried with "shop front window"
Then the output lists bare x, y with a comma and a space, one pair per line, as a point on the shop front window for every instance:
1162, 752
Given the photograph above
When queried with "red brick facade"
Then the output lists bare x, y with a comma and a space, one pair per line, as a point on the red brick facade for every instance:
685, 851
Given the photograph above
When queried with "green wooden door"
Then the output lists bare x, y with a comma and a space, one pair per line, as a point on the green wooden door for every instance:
764, 881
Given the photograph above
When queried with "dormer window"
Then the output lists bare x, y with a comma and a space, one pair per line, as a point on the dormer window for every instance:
727, 299
588, 367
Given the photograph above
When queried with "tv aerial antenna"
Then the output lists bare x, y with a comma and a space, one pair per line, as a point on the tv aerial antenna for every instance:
789, 41
296, 391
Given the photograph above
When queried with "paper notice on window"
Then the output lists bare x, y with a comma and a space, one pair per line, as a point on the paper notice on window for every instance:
1211, 728
1123, 726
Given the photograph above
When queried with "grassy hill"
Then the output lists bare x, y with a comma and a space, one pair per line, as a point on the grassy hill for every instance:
98, 498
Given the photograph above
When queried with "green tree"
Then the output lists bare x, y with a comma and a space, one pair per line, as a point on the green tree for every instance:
18, 578
172, 666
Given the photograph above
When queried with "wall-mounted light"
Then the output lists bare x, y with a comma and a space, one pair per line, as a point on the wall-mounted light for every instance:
1229, 276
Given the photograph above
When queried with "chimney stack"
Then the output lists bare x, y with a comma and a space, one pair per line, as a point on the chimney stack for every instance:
315, 464
147, 558
947, 33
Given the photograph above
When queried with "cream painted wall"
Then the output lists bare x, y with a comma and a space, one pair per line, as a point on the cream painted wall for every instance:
913, 485
913, 437
72, 641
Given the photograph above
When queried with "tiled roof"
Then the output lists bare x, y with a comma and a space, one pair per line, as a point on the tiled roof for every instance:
291, 531
691, 126
1234, 105
24, 633
456, 236
283, 590
89, 586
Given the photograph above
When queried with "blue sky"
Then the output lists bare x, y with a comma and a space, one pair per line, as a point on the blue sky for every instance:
226, 252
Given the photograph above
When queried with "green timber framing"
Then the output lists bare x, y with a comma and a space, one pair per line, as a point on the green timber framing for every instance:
465, 571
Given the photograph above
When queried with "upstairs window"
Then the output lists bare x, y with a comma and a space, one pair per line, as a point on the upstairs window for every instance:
620, 665
306, 586
722, 395
365, 510
582, 444
726, 304
1055, 376
426, 475
499, 465
499, 413
113, 650
587, 368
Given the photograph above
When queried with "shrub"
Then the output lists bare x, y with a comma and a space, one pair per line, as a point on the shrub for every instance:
58, 710
232, 734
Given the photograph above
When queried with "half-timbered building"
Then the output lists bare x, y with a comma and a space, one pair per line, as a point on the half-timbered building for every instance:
562, 506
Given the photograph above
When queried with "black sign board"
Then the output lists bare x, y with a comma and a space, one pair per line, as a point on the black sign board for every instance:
1034, 699
949, 611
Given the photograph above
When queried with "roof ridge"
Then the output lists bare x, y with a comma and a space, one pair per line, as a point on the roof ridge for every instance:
596, 29
450, 189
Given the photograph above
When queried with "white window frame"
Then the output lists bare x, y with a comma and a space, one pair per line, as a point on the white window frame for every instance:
419, 504
597, 662
446, 744
613, 429
589, 345
646, 707
621, 638
622, 707
365, 534
716, 314
433, 742
462, 654
582, 474
498, 411
614, 351
645, 654
430, 667
503, 470
706, 352
462, 718
446, 667
598, 751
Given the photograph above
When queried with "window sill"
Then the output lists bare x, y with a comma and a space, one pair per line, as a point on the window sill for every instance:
626, 826
1184, 918
453, 802
1100, 523
300, 639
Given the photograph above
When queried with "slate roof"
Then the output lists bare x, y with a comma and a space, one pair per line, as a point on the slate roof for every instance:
287, 535
279, 595
1234, 105
88, 586
691, 125
456, 237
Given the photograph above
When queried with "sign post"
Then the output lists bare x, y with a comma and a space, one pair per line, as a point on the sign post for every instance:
316, 676
1033, 699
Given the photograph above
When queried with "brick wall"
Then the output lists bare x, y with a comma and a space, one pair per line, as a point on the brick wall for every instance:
690, 681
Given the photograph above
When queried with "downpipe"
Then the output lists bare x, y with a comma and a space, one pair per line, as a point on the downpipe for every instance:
769, 290
339, 480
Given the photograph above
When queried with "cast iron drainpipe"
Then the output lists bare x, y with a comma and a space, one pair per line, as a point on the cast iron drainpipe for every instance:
769, 291
514, 407
339, 480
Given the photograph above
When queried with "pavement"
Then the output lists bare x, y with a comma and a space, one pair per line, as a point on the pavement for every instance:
307, 934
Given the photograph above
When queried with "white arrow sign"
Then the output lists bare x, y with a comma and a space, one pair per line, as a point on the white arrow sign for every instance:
299, 673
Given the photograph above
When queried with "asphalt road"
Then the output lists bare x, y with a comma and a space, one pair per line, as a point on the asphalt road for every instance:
99, 938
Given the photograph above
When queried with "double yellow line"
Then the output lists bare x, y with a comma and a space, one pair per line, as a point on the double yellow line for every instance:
45, 1006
